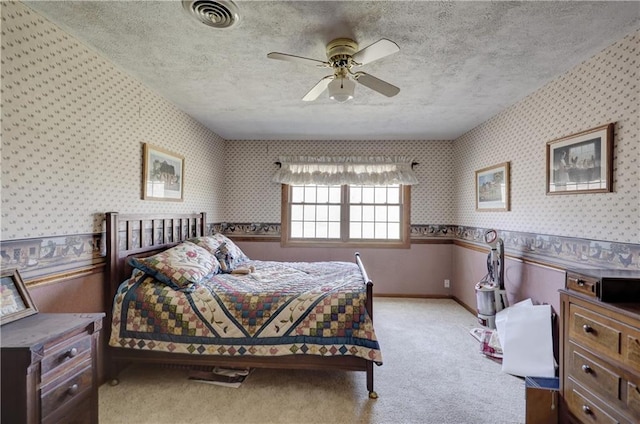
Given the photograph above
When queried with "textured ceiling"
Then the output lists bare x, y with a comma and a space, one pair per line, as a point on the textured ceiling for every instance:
459, 63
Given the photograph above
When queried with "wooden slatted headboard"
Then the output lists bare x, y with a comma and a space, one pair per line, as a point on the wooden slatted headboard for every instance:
143, 235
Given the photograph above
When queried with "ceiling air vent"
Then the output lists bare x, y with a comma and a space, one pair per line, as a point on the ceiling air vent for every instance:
217, 14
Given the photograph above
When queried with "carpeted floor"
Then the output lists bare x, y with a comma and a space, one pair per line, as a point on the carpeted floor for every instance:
432, 373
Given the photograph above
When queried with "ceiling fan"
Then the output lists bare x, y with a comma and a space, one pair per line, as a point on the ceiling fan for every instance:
343, 55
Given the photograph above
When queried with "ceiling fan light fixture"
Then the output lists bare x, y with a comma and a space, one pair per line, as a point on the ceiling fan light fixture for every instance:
341, 89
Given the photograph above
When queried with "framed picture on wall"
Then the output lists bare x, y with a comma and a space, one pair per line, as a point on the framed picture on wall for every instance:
162, 174
15, 302
581, 163
492, 188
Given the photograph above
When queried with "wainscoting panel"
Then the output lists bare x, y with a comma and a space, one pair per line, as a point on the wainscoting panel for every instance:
418, 271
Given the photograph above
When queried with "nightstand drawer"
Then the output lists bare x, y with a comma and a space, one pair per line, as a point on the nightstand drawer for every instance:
67, 390
594, 374
65, 356
75, 413
593, 330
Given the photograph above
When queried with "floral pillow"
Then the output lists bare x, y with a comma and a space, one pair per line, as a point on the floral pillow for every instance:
179, 267
212, 243
209, 243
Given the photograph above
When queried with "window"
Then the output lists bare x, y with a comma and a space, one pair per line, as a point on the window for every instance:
335, 215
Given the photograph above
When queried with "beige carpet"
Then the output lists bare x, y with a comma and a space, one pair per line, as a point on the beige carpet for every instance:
432, 373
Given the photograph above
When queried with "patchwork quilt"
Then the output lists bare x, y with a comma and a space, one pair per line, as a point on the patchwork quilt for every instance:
283, 308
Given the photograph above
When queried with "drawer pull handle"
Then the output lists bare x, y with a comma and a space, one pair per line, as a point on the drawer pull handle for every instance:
72, 352
587, 369
587, 328
73, 389
581, 283
586, 409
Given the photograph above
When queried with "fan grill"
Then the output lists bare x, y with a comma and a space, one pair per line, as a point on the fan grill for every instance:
217, 14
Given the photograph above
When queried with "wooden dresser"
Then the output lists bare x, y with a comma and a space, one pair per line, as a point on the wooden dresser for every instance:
600, 354
49, 370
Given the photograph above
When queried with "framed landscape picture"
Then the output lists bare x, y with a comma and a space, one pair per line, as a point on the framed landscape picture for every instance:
15, 302
492, 188
581, 163
162, 174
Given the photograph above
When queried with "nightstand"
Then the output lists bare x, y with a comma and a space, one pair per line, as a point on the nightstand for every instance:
49, 368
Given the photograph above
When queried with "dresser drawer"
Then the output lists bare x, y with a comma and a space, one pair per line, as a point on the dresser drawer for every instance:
631, 349
582, 284
595, 331
594, 374
586, 407
61, 357
633, 399
69, 389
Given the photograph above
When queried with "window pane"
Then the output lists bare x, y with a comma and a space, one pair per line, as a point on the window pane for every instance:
334, 230
355, 213
310, 194
334, 194
309, 212
322, 230
355, 230
393, 213
381, 194
334, 213
296, 212
322, 213
368, 213
381, 230
355, 194
296, 229
381, 213
393, 194
393, 231
368, 230
367, 194
297, 194
309, 229
323, 194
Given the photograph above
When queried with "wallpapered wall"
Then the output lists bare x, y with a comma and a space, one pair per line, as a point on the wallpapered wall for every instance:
73, 126
602, 89
72, 132
432, 198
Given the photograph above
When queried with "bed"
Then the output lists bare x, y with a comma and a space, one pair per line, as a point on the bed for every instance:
172, 299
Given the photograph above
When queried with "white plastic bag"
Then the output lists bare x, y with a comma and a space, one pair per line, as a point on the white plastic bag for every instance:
527, 341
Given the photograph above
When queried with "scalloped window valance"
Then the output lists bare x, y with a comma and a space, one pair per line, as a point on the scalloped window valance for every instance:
339, 170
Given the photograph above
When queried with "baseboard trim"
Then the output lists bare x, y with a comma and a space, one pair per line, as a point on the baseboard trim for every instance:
413, 296
465, 306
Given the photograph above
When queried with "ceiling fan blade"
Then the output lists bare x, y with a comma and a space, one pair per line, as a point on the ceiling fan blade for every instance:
318, 89
375, 51
299, 59
376, 84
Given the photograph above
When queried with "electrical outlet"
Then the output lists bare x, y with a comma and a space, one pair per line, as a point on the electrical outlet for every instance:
446, 284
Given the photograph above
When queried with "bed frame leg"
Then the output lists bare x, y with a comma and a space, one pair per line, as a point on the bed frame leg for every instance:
112, 370
372, 393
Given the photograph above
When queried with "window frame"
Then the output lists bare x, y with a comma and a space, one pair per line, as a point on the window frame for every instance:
405, 225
